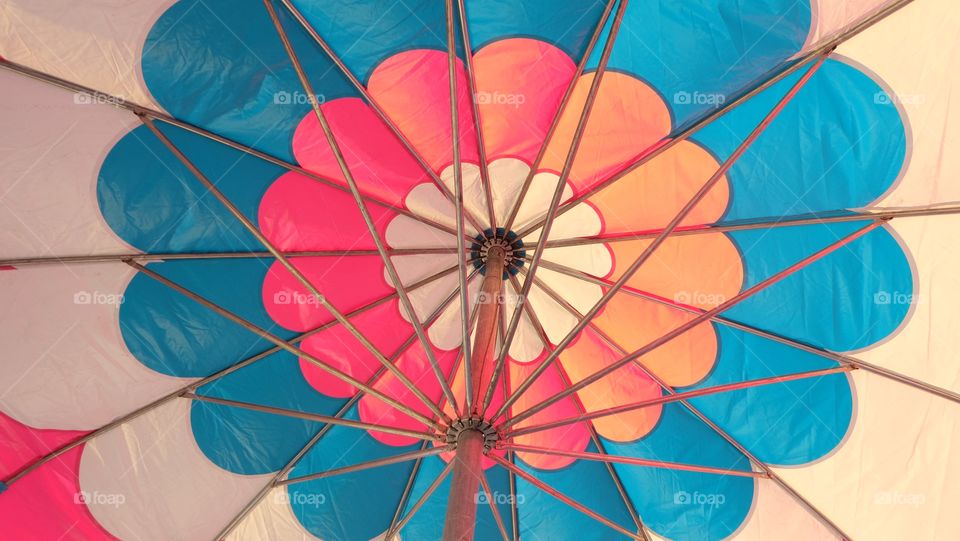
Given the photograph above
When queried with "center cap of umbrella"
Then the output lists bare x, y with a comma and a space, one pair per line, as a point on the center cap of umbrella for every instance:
508, 241
475, 423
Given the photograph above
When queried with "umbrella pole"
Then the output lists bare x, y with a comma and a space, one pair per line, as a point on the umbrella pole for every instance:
468, 459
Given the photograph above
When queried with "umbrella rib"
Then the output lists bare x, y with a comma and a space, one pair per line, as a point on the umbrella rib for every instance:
271, 484
141, 111
505, 385
203, 381
662, 237
819, 515
423, 498
665, 144
672, 334
491, 500
557, 195
343, 410
594, 436
838, 357
374, 105
327, 419
768, 223
258, 234
568, 94
286, 345
475, 110
190, 256
563, 498
632, 461
458, 202
405, 496
676, 397
368, 220
386, 461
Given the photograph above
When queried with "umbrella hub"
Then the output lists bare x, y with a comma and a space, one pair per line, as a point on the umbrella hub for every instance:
508, 241
475, 424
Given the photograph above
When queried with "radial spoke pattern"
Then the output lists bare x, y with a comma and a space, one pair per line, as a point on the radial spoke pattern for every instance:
467, 405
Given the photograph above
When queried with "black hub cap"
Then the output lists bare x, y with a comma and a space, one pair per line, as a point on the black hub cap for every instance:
508, 241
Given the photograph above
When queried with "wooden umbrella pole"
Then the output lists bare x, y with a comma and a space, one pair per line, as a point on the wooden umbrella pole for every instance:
468, 458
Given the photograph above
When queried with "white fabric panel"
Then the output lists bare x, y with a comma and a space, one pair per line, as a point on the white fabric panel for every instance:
776, 515
97, 44
896, 475
169, 489
272, 518
926, 346
833, 16
51, 150
914, 52
64, 363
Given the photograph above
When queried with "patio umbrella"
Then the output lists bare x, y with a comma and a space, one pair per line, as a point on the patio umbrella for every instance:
479, 269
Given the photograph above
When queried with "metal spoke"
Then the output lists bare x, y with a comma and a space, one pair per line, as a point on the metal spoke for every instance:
665, 144
253, 503
204, 381
458, 202
368, 220
677, 397
631, 461
563, 498
766, 223
422, 500
614, 476
386, 461
405, 496
191, 256
287, 346
838, 357
766, 470
321, 299
429, 436
491, 500
558, 193
662, 237
581, 65
475, 110
375, 106
343, 410
747, 293
139, 110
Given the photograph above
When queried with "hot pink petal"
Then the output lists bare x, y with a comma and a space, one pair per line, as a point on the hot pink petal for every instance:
47, 503
413, 88
300, 214
345, 282
337, 347
416, 366
378, 162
